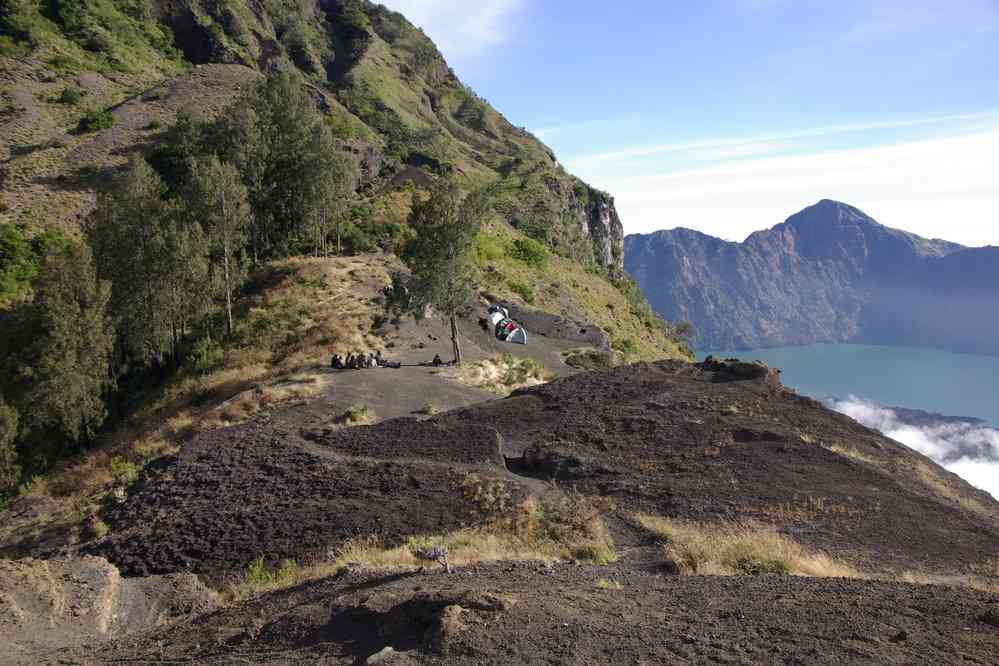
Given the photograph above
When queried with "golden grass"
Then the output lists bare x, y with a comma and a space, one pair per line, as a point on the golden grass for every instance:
465, 547
244, 405
801, 509
500, 375
933, 479
358, 414
853, 453
560, 526
729, 549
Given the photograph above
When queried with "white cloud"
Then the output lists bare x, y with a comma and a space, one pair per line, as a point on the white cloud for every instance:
970, 451
806, 133
938, 187
460, 28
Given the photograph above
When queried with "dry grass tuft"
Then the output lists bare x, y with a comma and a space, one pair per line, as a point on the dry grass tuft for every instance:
358, 414
500, 374
466, 547
853, 453
731, 549
607, 584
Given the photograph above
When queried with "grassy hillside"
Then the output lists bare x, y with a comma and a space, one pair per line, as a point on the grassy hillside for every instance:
85, 84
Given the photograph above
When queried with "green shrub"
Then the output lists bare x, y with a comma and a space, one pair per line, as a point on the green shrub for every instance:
70, 96
124, 471
96, 120
626, 346
524, 291
154, 125
529, 251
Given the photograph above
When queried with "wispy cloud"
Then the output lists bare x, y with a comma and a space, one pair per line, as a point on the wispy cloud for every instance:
804, 133
933, 187
461, 28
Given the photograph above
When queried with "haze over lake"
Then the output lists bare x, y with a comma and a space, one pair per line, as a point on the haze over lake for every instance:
862, 381
915, 378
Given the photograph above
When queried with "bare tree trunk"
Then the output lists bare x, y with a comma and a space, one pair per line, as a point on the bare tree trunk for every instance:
454, 340
228, 292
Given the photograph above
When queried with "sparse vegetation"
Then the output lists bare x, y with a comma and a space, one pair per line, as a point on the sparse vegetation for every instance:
501, 374
358, 414
432, 408
728, 549
592, 359
853, 453
607, 584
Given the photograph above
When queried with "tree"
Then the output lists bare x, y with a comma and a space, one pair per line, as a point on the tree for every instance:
10, 471
332, 174
440, 256
67, 368
220, 200
129, 250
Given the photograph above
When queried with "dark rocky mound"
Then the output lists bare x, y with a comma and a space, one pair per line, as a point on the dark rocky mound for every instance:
687, 441
830, 273
530, 614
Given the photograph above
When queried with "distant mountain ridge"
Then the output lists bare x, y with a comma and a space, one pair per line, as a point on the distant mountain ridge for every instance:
828, 274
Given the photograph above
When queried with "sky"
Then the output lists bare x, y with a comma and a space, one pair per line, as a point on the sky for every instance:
728, 116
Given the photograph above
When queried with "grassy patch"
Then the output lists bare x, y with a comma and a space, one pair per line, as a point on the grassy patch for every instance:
559, 527
732, 549
358, 414
591, 359
501, 374
853, 453
94, 121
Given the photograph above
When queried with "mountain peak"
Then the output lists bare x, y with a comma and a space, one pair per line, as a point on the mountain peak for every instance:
830, 211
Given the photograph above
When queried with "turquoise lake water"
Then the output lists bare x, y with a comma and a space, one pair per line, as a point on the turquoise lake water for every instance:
915, 378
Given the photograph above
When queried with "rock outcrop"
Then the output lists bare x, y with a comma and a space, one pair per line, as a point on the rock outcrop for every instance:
828, 274
49, 604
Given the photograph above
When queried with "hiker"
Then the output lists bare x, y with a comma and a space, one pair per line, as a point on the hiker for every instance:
438, 362
336, 362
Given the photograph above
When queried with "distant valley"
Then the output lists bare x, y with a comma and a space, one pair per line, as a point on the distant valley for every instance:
829, 274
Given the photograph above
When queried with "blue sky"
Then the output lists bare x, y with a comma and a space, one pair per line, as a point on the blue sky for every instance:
727, 116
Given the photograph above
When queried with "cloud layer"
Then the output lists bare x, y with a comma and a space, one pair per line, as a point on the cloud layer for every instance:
969, 450
914, 185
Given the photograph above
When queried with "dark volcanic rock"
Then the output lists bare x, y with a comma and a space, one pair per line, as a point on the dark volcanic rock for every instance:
828, 274
560, 616
718, 440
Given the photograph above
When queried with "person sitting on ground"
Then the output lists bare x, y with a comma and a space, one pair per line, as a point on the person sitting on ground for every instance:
437, 361
336, 363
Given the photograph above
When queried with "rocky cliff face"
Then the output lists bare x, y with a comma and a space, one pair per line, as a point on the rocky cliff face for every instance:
828, 274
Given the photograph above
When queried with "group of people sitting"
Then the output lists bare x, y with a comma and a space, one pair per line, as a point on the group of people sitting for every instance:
361, 361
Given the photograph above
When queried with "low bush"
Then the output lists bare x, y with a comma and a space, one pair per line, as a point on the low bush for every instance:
94, 121
70, 96
529, 251
123, 471
524, 291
